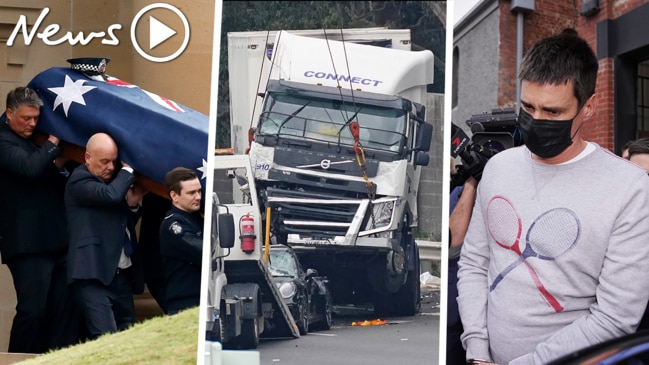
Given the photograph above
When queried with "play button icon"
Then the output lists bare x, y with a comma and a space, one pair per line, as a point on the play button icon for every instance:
160, 32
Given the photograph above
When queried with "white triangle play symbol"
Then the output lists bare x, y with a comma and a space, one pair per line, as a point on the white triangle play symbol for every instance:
158, 32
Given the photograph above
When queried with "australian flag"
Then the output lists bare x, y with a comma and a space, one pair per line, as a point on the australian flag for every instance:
153, 134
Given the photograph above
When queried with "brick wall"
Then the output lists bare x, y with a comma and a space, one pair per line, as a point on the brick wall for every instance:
601, 128
549, 17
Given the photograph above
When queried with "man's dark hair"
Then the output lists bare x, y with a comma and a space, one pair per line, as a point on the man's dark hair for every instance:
562, 58
639, 146
23, 96
174, 178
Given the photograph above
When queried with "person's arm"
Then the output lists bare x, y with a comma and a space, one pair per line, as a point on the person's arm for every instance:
458, 222
473, 288
89, 190
622, 290
29, 166
182, 242
134, 196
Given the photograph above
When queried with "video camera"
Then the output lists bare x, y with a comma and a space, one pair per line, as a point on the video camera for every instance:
492, 133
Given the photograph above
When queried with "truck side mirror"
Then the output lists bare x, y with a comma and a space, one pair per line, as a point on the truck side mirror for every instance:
424, 137
422, 158
226, 230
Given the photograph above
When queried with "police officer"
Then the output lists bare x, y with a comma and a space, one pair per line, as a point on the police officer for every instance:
181, 241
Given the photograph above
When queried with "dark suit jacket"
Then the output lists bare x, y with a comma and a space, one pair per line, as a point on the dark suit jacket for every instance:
32, 214
98, 217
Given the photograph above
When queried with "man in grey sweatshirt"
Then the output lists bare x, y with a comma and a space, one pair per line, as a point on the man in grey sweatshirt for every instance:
555, 258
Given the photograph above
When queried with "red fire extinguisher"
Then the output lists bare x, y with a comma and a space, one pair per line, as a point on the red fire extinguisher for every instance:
247, 228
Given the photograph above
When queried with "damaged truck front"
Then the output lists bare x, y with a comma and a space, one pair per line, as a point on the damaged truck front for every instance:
338, 148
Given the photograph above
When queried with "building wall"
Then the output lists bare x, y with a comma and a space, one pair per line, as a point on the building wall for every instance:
20, 63
549, 17
603, 128
478, 68
429, 199
186, 80
485, 27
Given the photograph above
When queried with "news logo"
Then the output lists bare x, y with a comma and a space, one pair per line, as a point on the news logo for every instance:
158, 32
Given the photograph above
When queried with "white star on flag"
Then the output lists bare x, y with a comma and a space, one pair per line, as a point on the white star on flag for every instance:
203, 169
71, 92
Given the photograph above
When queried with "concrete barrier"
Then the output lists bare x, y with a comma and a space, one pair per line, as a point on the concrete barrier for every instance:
429, 250
215, 355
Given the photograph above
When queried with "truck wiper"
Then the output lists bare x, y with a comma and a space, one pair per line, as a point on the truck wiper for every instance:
291, 116
345, 125
294, 143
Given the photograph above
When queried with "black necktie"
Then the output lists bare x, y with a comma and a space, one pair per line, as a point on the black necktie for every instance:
128, 245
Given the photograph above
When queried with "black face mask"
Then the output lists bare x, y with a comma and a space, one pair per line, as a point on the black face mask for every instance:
546, 138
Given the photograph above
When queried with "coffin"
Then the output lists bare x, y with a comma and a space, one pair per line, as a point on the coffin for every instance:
154, 134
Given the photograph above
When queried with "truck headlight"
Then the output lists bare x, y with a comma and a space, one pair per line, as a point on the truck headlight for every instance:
382, 215
288, 289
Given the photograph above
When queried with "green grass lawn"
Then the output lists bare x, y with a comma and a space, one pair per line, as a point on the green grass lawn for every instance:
164, 340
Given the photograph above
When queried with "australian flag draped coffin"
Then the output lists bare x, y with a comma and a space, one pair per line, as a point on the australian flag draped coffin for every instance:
153, 134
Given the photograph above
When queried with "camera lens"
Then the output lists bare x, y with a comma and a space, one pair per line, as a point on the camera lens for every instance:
495, 146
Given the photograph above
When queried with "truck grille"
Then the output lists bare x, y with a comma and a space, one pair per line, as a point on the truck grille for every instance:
318, 215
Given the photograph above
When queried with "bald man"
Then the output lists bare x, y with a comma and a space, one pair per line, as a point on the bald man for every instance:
102, 207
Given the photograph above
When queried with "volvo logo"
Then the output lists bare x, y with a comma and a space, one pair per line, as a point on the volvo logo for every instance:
325, 164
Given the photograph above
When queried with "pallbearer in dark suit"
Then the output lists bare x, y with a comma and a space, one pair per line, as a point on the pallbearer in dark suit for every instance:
102, 207
32, 230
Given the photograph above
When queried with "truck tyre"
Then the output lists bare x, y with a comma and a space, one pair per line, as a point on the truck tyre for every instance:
215, 333
406, 301
409, 302
223, 329
221, 334
249, 338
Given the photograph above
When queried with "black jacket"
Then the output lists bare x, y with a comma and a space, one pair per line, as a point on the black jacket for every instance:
98, 216
181, 248
32, 213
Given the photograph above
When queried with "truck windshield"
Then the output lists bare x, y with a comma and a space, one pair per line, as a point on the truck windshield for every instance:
296, 117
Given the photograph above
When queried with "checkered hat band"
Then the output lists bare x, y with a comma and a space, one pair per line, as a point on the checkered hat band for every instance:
85, 67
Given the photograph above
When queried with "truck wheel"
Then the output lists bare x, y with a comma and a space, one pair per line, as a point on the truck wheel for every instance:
222, 335
409, 302
223, 330
410, 294
215, 333
403, 303
384, 305
406, 301
249, 338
